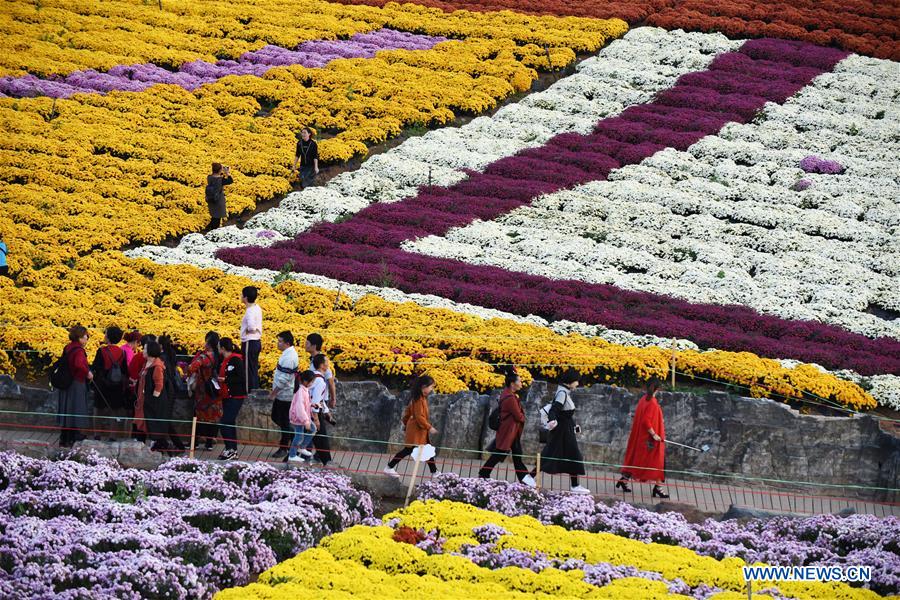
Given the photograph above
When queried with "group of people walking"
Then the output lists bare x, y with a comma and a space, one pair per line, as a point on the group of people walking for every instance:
644, 456
137, 378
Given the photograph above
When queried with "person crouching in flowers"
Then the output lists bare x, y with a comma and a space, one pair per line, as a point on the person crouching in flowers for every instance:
302, 418
561, 454
645, 455
416, 423
233, 385
509, 434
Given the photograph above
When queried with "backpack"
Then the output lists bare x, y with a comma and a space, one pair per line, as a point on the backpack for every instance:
494, 417
114, 373
210, 193
61, 374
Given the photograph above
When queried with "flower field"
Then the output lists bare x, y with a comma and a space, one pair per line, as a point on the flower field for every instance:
700, 190
451, 550
84, 527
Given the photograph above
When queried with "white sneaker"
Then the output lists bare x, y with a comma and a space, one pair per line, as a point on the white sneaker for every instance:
392, 472
529, 481
295, 459
580, 489
228, 455
306, 453
436, 473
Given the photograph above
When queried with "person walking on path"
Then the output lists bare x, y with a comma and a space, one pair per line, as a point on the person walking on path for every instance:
72, 403
318, 395
313, 347
302, 418
158, 398
509, 434
251, 336
282, 393
416, 423
110, 368
233, 392
307, 157
561, 454
207, 403
645, 455
215, 194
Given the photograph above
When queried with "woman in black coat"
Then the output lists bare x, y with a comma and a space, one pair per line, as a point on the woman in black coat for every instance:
561, 454
215, 193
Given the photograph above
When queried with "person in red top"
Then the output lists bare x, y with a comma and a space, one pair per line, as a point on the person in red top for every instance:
135, 374
233, 383
207, 403
72, 401
645, 456
509, 434
110, 368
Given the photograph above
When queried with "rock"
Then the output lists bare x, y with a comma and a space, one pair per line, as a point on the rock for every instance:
744, 512
8, 387
131, 454
690, 512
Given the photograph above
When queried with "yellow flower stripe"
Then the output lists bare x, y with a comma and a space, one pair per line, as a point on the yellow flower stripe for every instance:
67, 167
370, 336
48, 37
366, 561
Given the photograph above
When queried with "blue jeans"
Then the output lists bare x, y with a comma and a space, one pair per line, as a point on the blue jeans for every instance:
230, 409
302, 437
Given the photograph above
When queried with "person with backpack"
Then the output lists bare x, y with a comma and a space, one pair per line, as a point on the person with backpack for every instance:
645, 455
302, 418
282, 393
69, 378
233, 383
561, 454
416, 424
509, 419
110, 367
156, 390
207, 403
215, 194
318, 393
177, 385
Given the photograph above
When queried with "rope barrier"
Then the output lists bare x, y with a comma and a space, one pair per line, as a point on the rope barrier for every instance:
387, 443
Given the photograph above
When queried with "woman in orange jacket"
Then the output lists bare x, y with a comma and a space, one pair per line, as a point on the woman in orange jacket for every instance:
416, 423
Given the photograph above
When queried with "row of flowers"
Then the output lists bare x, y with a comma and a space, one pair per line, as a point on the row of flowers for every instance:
721, 223
190, 76
366, 248
84, 527
864, 26
825, 540
365, 335
456, 550
144, 155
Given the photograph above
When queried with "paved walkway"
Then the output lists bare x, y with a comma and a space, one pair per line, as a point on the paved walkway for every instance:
711, 496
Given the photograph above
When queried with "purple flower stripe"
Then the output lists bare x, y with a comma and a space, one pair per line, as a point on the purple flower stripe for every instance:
816, 164
190, 76
366, 248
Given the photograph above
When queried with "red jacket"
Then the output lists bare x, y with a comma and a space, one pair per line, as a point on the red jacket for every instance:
78, 363
645, 458
512, 420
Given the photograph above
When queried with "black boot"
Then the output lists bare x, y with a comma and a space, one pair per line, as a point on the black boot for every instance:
658, 493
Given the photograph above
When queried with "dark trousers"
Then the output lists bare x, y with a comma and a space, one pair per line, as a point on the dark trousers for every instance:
207, 430
281, 415
498, 456
251, 355
321, 442
406, 452
230, 409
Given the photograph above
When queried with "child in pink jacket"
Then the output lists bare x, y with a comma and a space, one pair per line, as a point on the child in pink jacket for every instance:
302, 419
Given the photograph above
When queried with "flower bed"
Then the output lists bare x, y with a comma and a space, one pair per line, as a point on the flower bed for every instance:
819, 540
452, 550
84, 527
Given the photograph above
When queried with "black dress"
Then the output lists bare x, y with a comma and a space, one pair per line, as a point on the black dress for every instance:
561, 454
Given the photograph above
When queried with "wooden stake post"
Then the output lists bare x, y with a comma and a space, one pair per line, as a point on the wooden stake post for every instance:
415, 473
193, 436
537, 473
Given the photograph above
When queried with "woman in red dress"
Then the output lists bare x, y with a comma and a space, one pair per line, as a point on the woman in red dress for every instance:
645, 457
